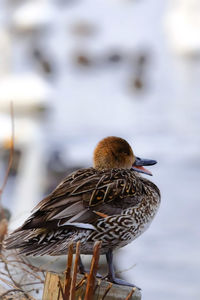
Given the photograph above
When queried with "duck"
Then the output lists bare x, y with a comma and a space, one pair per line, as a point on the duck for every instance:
110, 202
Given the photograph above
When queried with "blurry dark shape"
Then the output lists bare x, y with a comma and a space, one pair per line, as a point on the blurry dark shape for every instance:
37, 53
137, 83
142, 59
43, 61
57, 170
83, 59
46, 66
114, 57
83, 29
138, 80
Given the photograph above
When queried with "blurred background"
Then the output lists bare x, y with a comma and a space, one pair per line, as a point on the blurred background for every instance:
79, 70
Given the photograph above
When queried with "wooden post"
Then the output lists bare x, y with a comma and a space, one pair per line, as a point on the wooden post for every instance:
74, 286
114, 292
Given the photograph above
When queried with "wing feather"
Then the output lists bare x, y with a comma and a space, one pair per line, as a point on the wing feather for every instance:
82, 193
69, 211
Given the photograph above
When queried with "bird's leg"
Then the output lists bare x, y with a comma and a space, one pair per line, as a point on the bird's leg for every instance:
111, 273
83, 270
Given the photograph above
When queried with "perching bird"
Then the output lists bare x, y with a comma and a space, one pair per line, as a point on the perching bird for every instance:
110, 202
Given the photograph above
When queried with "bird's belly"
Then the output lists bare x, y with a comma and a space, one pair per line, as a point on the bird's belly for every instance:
115, 234
119, 230
113, 238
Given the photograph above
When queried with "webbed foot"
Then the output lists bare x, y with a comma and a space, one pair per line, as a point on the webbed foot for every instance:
121, 282
111, 273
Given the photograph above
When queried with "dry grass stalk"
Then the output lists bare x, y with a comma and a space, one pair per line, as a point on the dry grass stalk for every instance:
81, 282
130, 294
68, 272
88, 287
19, 278
74, 275
93, 271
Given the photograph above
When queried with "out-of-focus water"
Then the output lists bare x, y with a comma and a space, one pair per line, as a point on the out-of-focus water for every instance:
162, 123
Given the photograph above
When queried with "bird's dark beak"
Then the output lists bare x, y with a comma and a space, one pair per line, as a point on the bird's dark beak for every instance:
140, 162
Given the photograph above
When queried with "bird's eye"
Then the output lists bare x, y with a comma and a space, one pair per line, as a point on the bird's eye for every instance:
125, 153
121, 151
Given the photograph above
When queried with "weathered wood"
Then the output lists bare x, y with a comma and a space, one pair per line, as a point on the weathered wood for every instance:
51, 287
115, 292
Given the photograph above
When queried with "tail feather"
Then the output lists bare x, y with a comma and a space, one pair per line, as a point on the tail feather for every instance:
16, 239
42, 242
28, 245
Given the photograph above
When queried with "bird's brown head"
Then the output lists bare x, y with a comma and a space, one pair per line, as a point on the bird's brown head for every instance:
113, 152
